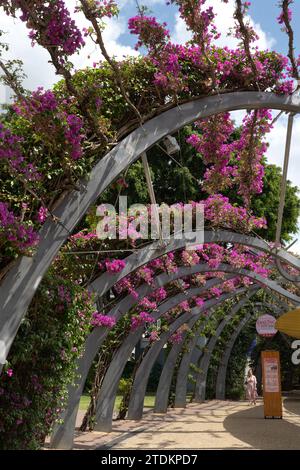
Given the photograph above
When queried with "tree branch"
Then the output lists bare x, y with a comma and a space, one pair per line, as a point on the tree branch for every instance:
89, 14
290, 33
12, 82
246, 38
61, 70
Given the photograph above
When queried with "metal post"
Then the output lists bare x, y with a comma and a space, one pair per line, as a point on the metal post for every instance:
152, 195
284, 178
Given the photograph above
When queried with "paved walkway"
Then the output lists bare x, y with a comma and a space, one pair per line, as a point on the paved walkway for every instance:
210, 425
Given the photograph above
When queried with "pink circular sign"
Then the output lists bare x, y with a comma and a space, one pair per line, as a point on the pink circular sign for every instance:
265, 325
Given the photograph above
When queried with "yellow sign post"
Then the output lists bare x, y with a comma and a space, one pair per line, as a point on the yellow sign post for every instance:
270, 361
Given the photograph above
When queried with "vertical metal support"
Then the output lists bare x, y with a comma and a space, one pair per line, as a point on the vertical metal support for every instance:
284, 179
152, 195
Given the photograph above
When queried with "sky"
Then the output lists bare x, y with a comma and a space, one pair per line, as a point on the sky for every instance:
120, 43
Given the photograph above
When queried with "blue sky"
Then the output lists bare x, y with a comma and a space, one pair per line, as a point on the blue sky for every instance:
119, 42
263, 12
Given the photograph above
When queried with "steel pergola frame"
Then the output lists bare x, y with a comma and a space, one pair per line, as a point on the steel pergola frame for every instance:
22, 281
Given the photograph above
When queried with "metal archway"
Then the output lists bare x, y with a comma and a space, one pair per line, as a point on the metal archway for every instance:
154, 250
223, 365
136, 403
108, 392
61, 434
163, 389
21, 283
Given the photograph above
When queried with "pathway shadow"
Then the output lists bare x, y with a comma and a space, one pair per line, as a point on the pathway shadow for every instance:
292, 405
250, 427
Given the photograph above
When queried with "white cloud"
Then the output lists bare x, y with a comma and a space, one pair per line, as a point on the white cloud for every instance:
36, 60
224, 21
180, 34
275, 155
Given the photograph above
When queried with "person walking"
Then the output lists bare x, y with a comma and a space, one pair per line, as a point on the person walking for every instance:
251, 387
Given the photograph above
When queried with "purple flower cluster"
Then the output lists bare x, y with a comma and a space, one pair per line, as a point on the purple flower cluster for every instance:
176, 338
56, 28
150, 32
141, 319
115, 266
64, 294
20, 235
74, 135
10, 150
220, 212
98, 319
40, 101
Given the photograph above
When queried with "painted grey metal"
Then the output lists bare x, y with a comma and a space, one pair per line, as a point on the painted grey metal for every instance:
104, 282
223, 365
9, 322
191, 356
200, 388
285, 273
222, 371
136, 403
20, 284
165, 380
151, 193
163, 389
63, 433
284, 179
183, 371
108, 392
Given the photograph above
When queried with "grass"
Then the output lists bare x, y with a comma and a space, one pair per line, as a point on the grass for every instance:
85, 400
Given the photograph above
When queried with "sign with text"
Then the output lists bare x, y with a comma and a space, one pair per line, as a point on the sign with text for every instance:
265, 326
271, 375
270, 361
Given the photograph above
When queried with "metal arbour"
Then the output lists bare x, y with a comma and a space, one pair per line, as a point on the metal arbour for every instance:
194, 353
162, 393
104, 283
63, 434
165, 381
223, 364
20, 284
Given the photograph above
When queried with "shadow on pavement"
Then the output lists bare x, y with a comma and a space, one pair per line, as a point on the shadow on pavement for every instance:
250, 427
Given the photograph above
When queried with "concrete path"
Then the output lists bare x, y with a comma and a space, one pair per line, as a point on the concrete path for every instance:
210, 425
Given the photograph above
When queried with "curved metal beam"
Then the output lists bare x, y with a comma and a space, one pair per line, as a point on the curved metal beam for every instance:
105, 282
109, 389
20, 284
136, 403
61, 433
200, 389
183, 371
222, 371
164, 385
165, 380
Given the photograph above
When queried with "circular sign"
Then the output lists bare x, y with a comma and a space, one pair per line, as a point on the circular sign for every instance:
265, 325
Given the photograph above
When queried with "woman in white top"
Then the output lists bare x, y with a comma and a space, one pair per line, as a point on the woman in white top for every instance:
251, 387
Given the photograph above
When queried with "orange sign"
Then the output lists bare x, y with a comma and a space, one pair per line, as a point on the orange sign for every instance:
271, 384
